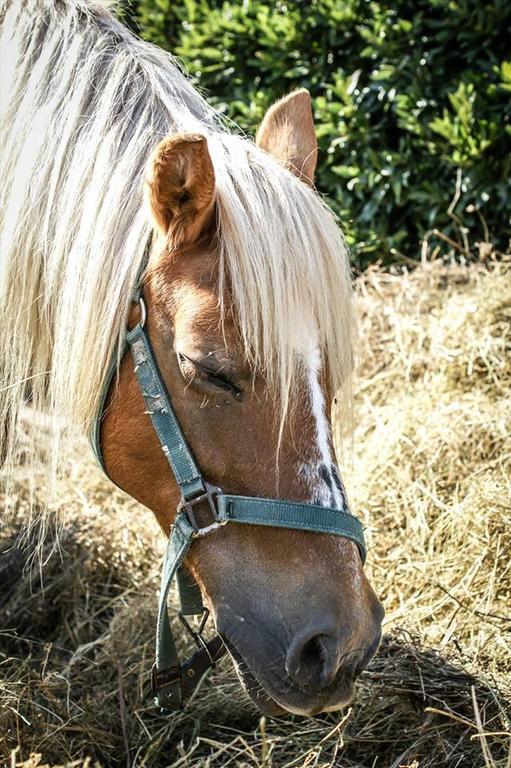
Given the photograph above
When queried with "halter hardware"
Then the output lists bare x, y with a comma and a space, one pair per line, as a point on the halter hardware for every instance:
186, 507
174, 682
196, 634
143, 311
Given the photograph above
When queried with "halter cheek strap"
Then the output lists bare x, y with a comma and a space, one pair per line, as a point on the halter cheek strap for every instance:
172, 681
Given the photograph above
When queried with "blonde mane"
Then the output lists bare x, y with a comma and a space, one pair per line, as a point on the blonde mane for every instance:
84, 104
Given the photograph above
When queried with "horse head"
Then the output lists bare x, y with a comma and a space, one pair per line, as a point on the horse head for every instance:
294, 608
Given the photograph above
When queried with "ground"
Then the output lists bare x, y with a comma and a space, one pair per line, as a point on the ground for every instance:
429, 475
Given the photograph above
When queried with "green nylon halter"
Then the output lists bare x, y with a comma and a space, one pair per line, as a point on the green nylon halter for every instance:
172, 681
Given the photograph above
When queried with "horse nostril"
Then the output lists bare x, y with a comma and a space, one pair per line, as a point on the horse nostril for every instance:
314, 661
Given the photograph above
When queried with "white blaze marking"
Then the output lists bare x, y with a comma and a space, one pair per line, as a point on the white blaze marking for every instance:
313, 361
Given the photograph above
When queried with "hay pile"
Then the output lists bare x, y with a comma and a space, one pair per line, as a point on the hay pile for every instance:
431, 479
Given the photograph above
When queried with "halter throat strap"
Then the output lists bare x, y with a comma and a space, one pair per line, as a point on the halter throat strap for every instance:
172, 681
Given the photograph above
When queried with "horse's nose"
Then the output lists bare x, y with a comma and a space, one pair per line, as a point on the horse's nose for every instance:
314, 660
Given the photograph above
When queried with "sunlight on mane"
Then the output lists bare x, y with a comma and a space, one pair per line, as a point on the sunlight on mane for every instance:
85, 103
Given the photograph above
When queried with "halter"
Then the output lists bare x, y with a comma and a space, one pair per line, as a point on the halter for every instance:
174, 682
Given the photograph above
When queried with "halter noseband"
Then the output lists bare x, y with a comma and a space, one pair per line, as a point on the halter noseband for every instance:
173, 682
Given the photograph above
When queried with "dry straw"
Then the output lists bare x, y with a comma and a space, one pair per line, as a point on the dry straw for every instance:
431, 478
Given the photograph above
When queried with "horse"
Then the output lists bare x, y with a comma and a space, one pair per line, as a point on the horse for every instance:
117, 173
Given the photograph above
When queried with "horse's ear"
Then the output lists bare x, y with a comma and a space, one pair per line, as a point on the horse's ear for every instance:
180, 187
287, 131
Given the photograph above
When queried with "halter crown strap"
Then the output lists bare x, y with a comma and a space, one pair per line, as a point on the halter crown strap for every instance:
164, 420
174, 682
167, 677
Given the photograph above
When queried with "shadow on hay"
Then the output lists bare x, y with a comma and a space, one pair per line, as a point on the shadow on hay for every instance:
76, 648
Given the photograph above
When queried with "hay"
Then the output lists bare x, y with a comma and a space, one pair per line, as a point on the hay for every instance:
431, 479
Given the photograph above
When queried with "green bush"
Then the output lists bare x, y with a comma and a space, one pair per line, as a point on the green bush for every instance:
409, 97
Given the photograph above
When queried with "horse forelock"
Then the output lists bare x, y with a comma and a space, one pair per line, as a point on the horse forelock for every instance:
86, 102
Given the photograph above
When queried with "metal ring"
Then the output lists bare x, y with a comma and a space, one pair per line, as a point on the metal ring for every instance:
143, 311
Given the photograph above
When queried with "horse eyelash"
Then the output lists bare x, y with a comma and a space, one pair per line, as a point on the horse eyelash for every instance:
214, 378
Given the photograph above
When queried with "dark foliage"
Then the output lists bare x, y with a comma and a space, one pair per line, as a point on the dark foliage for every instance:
409, 98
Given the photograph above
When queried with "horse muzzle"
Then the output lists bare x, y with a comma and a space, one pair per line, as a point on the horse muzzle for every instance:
314, 672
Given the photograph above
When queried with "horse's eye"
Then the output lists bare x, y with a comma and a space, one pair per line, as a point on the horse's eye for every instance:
206, 374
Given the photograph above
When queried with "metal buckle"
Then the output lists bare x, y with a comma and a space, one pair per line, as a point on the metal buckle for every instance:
143, 311
187, 506
196, 634
161, 678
